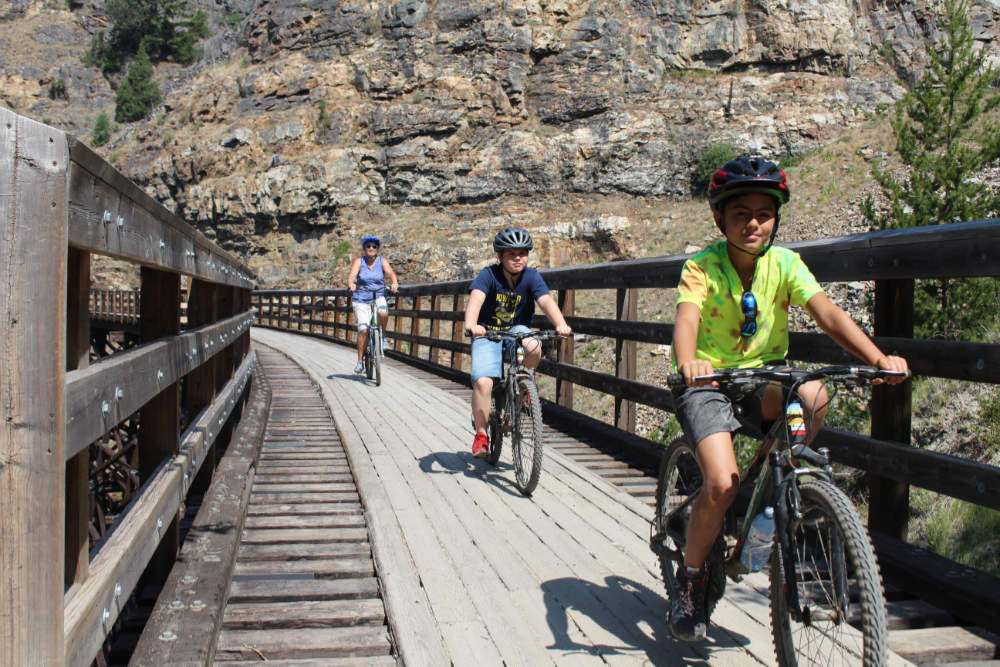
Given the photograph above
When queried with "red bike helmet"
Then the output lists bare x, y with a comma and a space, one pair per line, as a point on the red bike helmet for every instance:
743, 175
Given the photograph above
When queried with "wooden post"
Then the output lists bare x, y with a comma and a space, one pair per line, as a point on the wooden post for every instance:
326, 315
457, 330
889, 500
397, 344
336, 317
200, 385
33, 213
159, 419
625, 357
564, 389
415, 328
78, 468
432, 353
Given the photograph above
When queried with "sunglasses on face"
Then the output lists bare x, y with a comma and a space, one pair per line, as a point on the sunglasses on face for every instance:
370, 245
748, 304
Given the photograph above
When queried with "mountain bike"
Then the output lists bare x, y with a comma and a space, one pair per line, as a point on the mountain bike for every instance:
372, 356
826, 596
516, 411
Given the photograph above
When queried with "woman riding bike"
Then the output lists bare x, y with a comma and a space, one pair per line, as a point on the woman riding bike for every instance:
368, 274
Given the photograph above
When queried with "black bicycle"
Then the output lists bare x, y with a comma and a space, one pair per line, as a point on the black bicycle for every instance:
516, 412
827, 601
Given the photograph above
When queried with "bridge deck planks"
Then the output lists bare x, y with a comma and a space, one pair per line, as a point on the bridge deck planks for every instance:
304, 583
563, 577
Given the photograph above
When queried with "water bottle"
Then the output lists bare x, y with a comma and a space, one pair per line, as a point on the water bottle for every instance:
757, 549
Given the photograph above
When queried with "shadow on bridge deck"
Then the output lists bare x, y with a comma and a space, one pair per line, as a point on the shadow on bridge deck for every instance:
474, 572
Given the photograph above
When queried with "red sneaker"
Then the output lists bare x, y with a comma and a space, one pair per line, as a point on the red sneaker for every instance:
481, 446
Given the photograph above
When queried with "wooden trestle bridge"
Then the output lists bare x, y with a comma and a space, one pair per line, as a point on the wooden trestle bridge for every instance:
180, 489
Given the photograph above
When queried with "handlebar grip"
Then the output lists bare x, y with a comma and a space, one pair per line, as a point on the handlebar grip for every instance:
676, 381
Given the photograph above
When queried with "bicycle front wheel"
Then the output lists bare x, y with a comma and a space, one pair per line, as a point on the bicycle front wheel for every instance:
376, 347
496, 430
526, 438
840, 596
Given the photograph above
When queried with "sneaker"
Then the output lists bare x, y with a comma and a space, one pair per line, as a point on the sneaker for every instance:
359, 368
481, 446
688, 620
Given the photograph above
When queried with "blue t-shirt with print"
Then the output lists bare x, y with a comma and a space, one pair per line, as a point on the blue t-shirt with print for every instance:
504, 306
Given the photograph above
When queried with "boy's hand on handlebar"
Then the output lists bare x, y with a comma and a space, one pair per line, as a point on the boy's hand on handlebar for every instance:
477, 330
564, 330
694, 368
892, 363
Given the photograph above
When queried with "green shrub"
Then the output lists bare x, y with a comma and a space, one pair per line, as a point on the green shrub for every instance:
102, 130
57, 89
138, 92
714, 157
324, 121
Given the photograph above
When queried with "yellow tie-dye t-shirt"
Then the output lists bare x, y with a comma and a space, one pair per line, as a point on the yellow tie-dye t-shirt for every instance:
709, 281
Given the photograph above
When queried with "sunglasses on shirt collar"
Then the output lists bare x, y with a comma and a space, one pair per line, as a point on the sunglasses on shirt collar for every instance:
748, 304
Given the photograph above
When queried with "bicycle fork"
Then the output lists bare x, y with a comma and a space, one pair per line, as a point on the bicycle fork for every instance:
788, 512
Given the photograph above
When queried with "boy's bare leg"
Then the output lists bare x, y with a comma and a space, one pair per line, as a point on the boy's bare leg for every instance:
721, 482
481, 391
532, 352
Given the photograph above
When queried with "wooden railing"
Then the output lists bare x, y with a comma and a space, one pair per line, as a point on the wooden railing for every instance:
429, 328
61, 204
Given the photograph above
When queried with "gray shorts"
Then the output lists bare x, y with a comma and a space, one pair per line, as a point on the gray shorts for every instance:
704, 411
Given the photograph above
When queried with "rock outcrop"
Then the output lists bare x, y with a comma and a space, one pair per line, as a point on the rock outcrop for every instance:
311, 122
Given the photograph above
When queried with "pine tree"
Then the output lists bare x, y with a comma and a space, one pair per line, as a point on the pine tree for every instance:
102, 130
138, 93
944, 134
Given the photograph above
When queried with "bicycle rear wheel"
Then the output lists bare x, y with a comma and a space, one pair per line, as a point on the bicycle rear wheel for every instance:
376, 353
677, 486
526, 438
838, 584
678, 483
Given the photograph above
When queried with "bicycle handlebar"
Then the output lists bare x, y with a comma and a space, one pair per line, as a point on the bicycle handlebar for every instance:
496, 336
788, 376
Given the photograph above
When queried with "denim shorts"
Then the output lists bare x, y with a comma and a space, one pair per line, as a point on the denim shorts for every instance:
487, 355
363, 312
705, 411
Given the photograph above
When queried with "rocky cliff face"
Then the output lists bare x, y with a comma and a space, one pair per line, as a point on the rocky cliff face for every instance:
432, 123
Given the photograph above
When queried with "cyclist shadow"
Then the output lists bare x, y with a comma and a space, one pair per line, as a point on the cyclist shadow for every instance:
464, 463
647, 631
354, 377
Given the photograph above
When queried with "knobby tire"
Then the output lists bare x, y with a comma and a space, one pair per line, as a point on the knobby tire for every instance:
376, 349
828, 534
526, 438
679, 479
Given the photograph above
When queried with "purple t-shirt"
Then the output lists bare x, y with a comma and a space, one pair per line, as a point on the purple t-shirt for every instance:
504, 306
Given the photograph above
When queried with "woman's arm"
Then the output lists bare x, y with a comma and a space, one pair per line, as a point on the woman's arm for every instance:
353, 275
391, 275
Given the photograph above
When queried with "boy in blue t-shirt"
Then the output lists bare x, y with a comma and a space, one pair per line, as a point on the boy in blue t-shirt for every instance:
502, 298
